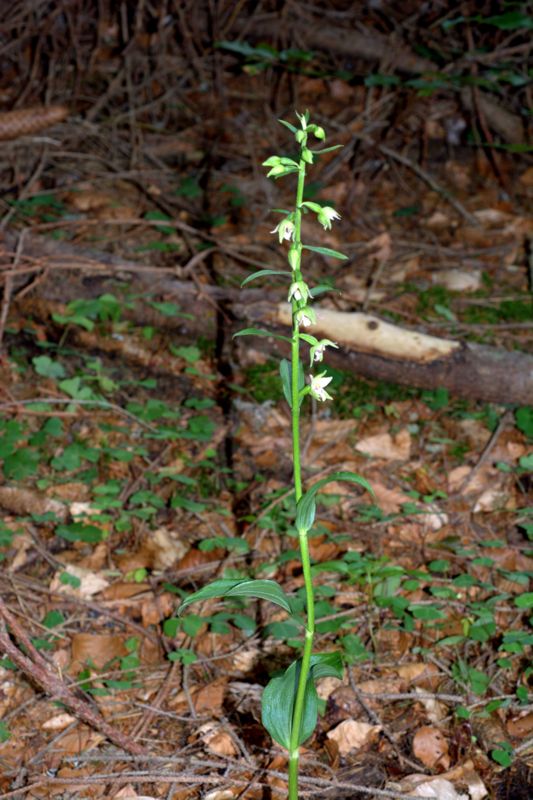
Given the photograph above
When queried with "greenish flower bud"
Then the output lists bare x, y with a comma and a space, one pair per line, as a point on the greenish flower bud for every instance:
273, 161
277, 171
294, 256
307, 155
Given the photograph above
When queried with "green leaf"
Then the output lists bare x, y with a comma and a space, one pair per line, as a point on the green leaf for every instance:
74, 388
21, 464
79, 532
261, 332
524, 419
524, 600
5, 733
226, 587
510, 21
184, 655
327, 149
306, 509
278, 706
74, 319
285, 373
262, 273
288, 125
280, 694
503, 754
52, 619
321, 288
325, 251
70, 580
326, 665
45, 366
426, 612
190, 353
168, 309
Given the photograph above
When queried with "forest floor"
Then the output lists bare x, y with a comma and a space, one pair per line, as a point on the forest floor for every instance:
145, 452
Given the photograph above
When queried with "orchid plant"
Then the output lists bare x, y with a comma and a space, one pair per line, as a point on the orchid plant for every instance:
290, 700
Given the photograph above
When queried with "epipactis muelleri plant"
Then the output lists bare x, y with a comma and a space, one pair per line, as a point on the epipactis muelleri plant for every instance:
290, 700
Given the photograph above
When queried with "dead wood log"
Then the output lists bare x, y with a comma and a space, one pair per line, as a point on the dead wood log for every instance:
370, 346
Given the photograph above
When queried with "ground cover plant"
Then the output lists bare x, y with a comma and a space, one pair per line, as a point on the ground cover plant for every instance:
166, 580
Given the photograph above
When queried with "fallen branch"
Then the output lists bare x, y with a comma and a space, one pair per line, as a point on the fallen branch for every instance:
37, 669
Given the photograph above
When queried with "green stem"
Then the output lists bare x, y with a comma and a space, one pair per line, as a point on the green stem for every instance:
299, 703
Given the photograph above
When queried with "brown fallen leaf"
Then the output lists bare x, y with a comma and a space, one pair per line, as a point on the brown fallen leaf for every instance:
520, 727
90, 583
210, 697
422, 675
352, 735
58, 723
99, 648
383, 445
431, 747
422, 786
215, 739
221, 794
389, 500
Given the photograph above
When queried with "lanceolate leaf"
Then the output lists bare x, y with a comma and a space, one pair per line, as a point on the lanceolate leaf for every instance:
279, 697
306, 509
325, 251
327, 149
285, 373
286, 380
260, 332
278, 706
262, 273
263, 589
288, 125
321, 288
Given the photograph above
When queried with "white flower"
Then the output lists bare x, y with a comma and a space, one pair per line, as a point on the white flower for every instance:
326, 215
318, 387
285, 229
317, 350
298, 291
306, 317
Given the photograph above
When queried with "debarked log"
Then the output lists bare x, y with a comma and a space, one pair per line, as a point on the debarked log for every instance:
377, 349
369, 346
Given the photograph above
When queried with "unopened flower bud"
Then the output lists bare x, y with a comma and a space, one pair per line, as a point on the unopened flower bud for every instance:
294, 257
